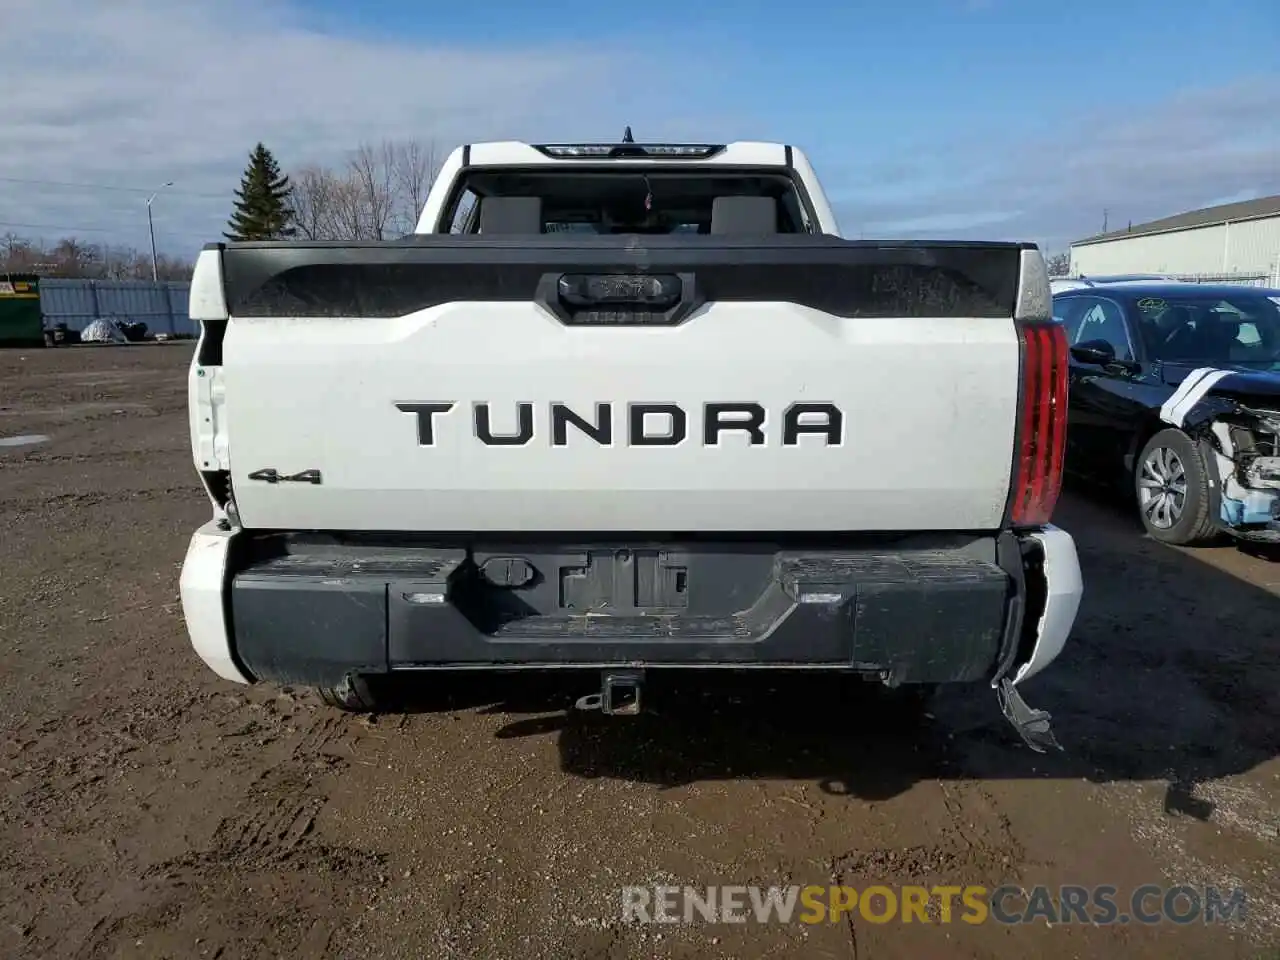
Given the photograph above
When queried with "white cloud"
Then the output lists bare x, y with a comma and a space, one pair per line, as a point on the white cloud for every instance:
1052, 181
133, 93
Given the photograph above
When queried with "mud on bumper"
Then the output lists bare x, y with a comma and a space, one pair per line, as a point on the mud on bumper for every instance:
920, 609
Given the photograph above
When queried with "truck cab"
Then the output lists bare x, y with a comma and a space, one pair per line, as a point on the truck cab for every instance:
680, 173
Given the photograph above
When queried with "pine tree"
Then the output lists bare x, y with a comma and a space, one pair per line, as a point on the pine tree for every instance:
262, 210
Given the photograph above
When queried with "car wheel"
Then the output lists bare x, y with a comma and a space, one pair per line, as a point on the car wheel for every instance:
353, 694
1171, 480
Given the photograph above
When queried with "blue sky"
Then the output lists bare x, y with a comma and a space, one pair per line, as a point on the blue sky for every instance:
969, 118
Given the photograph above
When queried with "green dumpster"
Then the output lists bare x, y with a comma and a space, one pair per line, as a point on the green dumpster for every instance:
20, 321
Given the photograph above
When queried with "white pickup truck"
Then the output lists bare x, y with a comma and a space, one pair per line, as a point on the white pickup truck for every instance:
627, 407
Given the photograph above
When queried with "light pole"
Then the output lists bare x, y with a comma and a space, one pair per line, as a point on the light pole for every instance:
151, 228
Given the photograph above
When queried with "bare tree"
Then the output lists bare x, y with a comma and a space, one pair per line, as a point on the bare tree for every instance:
327, 205
376, 194
167, 268
1058, 265
372, 172
351, 218
415, 168
119, 263
314, 203
71, 257
76, 259
19, 254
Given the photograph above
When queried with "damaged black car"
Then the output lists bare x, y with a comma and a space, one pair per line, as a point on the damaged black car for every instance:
1175, 393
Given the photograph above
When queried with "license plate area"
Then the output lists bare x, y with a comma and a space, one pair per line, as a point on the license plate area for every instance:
621, 580
626, 584
625, 580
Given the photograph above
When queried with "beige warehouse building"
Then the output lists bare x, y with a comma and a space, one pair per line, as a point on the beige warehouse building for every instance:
1238, 242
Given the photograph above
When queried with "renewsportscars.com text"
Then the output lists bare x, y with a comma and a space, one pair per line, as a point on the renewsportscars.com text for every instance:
971, 904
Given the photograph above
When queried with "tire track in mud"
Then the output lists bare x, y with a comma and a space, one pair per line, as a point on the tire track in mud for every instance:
100, 460
75, 501
222, 899
274, 823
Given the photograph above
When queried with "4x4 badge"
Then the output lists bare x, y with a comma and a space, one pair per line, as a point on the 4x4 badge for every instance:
271, 475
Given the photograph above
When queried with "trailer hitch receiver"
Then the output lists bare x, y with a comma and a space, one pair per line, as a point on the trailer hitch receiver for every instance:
619, 694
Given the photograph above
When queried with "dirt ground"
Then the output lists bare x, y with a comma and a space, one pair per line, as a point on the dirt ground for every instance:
150, 809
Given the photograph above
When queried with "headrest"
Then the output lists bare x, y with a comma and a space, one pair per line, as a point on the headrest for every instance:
744, 216
511, 215
1221, 328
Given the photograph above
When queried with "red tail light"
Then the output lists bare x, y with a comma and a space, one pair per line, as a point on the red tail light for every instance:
1042, 442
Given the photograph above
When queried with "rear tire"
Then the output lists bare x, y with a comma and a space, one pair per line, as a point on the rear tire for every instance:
1171, 487
353, 694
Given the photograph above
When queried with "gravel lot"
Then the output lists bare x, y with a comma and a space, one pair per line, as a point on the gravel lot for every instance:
150, 809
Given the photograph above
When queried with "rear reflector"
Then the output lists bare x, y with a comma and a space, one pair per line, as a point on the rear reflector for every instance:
1043, 430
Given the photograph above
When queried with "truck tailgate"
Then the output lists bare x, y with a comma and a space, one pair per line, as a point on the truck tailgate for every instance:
810, 384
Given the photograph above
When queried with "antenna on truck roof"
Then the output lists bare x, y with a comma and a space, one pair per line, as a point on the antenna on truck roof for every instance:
626, 136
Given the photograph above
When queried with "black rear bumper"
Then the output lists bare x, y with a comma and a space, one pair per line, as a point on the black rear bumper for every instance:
911, 610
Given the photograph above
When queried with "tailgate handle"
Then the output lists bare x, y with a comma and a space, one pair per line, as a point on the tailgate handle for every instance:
619, 299
661, 292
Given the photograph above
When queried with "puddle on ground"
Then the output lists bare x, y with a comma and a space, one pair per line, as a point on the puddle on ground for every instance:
27, 440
